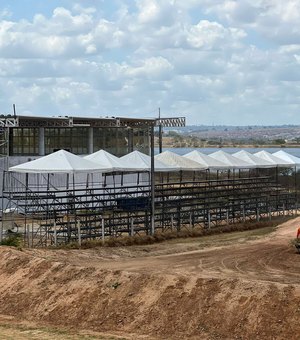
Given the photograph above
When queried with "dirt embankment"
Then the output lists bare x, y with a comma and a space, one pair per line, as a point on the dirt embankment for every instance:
248, 290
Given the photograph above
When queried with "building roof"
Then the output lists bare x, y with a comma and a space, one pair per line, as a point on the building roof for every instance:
75, 121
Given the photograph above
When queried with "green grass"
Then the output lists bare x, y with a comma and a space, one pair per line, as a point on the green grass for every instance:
13, 240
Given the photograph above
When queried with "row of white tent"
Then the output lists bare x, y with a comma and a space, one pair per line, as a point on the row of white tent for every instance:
101, 161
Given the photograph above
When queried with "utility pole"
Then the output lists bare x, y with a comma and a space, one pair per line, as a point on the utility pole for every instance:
159, 133
152, 180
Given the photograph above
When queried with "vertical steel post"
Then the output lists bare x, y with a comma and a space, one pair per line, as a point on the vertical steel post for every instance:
2, 208
79, 233
159, 133
102, 230
55, 233
152, 180
131, 226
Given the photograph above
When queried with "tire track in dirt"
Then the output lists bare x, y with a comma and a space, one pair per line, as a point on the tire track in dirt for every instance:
239, 291
270, 259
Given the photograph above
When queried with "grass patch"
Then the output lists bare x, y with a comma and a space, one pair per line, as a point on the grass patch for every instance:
12, 240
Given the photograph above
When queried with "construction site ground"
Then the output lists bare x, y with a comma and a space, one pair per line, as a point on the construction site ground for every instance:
242, 285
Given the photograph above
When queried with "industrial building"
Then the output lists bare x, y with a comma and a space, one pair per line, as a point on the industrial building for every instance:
39, 136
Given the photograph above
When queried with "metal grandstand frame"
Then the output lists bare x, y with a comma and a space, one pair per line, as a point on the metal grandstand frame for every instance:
48, 215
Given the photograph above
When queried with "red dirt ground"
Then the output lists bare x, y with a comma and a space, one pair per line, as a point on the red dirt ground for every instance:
248, 289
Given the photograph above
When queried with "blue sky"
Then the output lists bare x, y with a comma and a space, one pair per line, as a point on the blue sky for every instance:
214, 61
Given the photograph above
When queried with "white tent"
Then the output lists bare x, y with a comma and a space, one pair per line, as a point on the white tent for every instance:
254, 160
108, 160
179, 162
58, 162
231, 161
287, 157
275, 160
205, 160
141, 162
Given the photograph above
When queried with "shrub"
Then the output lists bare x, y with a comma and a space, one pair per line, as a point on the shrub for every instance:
12, 240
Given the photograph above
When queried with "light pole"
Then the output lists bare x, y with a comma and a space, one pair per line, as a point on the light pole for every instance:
159, 132
152, 179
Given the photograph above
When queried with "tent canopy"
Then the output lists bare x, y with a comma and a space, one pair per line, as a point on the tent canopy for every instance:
205, 160
254, 160
231, 161
141, 162
109, 161
287, 157
179, 162
58, 162
101, 161
276, 160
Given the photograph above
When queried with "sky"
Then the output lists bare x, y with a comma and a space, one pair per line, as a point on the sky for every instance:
214, 62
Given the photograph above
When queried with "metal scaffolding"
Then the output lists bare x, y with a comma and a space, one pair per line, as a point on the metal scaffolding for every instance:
58, 209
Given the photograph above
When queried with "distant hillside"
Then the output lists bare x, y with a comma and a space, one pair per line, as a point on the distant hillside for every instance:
203, 136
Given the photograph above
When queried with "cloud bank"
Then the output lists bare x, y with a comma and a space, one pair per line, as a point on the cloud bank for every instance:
221, 62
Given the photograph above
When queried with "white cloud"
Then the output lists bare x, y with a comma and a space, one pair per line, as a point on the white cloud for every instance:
156, 12
274, 20
5, 13
62, 22
153, 68
191, 57
211, 35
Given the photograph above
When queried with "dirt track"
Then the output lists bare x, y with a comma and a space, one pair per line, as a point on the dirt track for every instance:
270, 258
246, 289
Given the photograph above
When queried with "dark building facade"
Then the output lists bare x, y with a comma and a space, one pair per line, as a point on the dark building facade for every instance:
39, 136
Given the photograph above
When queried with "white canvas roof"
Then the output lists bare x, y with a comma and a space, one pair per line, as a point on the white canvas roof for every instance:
231, 161
205, 160
141, 162
179, 162
256, 161
109, 161
287, 157
276, 160
58, 162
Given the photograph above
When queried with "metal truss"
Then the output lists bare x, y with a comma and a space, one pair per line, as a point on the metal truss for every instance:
171, 122
69, 121
47, 214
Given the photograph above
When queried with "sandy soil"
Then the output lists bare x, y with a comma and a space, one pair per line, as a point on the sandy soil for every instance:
218, 287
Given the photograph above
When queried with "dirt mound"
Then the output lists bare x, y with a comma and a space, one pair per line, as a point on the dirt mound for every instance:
238, 291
